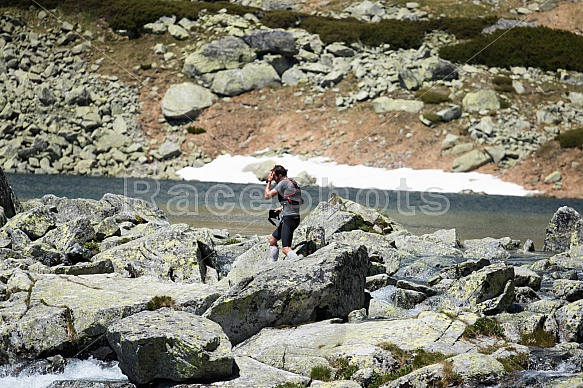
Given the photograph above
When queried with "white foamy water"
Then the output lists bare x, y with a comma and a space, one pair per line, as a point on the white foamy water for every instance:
227, 168
91, 369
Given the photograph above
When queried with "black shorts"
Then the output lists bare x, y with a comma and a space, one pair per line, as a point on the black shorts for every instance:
285, 230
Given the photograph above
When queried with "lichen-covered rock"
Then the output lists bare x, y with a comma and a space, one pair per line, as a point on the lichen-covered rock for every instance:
252, 373
481, 100
70, 311
478, 368
173, 345
519, 324
560, 230
172, 254
343, 215
298, 349
326, 284
570, 290
35, 222
524, 277
570, 322
428, 376
380, 249
227, 53
489, 290
65, 236
492, 250
419, 246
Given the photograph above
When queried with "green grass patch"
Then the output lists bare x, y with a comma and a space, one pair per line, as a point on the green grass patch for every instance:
344, 370
320, 372
484, 326
571, 139
515, 362
540, 338
92, 246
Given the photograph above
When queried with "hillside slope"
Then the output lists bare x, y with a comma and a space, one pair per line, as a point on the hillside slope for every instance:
294, 119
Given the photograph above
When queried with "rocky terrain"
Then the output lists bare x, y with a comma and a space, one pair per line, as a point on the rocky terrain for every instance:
366, 303
78, 98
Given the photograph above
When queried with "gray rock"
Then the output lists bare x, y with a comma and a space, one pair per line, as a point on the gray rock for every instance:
78, 96
167, 150
45, 94
478, 368
252, 76
340, 50
481, 100
178, 32
449, 114
226, 53
470, 161
298, 349
419, 246
490, 250
560, 229
173, 345
67, 311
386, 104
294, 291
410, 79
380, 249
489, 290
171, 254
343, 215
570, 290
271, 42
505, 24
293, 77
186, 100
570, 322
524, 277
449, 141
35, 222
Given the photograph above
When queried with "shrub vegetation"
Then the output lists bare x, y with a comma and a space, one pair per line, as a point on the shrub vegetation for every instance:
539, 47
484, 326
571, 139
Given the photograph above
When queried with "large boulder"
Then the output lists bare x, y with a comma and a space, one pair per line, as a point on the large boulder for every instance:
481, 100
60, 311
186, 101
327, 284
560, 230
35, 222
299, 349
271, 42
343, 215
227, 53
252, 76
470, 161
570, 322
173, 345
380, 249
489, 250
489, 290
173, 253
420, 246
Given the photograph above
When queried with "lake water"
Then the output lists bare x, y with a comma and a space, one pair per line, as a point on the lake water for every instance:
240, 208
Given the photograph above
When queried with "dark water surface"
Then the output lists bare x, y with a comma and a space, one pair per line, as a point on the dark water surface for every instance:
241, 209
